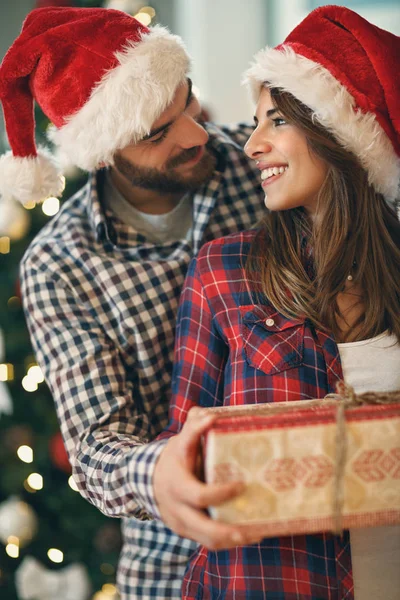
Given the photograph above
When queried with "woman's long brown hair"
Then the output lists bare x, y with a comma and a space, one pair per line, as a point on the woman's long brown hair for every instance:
354, 230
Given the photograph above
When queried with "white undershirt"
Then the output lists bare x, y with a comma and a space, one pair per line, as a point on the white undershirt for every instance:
157, 229
374, 365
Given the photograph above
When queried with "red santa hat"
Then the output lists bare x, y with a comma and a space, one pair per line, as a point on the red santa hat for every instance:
348, 72
99, 75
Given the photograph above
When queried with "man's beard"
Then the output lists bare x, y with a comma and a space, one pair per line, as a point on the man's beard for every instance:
169, 181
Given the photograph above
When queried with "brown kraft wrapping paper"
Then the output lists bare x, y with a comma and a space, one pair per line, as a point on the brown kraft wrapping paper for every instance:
287, 455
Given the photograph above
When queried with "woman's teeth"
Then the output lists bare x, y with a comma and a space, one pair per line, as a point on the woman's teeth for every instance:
267, 173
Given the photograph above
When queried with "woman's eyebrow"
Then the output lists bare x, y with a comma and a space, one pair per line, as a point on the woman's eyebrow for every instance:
269, 113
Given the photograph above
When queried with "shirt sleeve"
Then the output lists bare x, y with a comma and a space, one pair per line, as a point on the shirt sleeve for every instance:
103, 427
200, 355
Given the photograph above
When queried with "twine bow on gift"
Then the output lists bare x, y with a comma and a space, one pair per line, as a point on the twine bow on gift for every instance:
347, 398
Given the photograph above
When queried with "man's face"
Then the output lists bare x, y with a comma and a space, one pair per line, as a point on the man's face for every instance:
172, 158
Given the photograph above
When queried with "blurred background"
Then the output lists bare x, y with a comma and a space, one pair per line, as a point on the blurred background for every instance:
53, 544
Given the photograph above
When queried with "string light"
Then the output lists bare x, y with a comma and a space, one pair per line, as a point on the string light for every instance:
35, 481
29, 204
55, 555
109, 589
143, 18
72, 484
107, 592
33, 377
12, 550
51, 206
14, 302
28, 487
35, 374
25, 453
29, 385
6, 372
4, 245
148, 10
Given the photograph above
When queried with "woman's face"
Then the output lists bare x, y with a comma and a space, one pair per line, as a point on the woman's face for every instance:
291, 176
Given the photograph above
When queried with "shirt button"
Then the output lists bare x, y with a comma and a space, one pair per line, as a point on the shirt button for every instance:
270, 322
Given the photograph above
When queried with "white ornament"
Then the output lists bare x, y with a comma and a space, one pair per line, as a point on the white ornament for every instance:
17, 519
35, 582
6, 406
14, 219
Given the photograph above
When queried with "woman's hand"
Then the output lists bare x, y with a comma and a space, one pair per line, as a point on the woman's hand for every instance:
182, 498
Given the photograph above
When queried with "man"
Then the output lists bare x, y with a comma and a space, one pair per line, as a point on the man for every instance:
101, 282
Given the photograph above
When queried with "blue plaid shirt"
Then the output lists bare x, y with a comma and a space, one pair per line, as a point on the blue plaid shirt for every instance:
101, 303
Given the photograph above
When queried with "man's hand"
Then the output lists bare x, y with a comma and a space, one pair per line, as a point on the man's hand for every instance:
182, 498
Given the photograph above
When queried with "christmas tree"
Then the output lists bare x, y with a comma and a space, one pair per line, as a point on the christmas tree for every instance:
50, 537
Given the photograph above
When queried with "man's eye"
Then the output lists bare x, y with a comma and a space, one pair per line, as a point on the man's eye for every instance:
279, 121
160, 138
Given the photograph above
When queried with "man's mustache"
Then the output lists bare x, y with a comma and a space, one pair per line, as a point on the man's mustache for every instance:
183, 157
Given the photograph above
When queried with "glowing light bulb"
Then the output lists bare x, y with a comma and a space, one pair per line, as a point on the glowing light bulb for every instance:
35, 481
28, 384
29, 204
25, 453
4, 245
6, 372
109, 589
143, 18
51, 206
12, 550
149, 10
35, 374
72, 484
55, 555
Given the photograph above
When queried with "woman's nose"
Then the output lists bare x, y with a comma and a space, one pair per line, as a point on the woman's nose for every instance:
257, 144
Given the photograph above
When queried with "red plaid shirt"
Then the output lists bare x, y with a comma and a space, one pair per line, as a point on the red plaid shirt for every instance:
232, 348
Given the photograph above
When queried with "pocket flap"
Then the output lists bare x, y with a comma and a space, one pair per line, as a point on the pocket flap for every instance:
272, 342
268, 316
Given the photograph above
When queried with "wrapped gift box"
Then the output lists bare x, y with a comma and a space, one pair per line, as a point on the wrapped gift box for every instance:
302, 474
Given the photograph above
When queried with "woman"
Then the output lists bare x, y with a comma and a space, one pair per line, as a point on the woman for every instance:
313, 296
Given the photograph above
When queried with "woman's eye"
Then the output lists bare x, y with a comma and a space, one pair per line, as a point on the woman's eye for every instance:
279, 121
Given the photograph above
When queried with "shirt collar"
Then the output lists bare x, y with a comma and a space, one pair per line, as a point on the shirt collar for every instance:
103, 230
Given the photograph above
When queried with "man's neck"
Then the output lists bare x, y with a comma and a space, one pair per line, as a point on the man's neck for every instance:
147, 201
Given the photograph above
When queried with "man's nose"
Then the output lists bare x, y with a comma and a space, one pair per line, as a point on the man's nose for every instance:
191, 133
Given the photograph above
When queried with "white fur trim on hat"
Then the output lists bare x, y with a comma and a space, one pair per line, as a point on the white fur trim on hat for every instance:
29, 178
333, 107
129, 98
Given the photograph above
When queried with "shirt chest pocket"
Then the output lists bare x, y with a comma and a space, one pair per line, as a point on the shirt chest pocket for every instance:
272, 343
